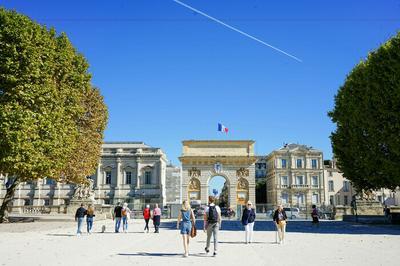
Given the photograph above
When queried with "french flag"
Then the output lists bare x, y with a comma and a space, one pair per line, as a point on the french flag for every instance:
222, 128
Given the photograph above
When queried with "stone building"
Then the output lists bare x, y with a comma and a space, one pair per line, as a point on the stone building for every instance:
128, 171
295, 176
339, 190
173, 184
132, 172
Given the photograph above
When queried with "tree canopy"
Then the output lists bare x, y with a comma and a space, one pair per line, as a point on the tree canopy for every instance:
366, 141
51, 118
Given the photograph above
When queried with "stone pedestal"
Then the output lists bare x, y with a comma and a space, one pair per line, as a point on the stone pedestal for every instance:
340, 211
369, 207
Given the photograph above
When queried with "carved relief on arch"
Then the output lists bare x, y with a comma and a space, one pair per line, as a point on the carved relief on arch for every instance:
194, 172
194, 189
242, 184
242, 172
194, 184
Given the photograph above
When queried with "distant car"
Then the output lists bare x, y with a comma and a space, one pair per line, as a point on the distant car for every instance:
292, 213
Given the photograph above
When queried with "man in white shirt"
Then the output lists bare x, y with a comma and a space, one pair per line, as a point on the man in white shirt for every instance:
212, 223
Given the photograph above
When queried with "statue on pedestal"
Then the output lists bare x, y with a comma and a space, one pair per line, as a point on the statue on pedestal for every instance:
84, 191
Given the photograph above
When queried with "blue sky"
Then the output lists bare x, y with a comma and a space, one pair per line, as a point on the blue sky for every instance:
169, 74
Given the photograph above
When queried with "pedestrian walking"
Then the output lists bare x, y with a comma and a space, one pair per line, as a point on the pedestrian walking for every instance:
280, 220
156, 218
314, 216
79, 217
90, 218
188, 220
117, 216
248, 218
146, 216
212, 223
125, 213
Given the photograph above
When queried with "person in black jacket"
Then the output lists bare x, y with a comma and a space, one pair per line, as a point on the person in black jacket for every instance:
79, 217
117, 216
280, 221
248, 218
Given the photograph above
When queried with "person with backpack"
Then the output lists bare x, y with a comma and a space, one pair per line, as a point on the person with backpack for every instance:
212, 223
89, 218
79, 217
117, 216
146, 216
188, 221
125, 217
156, 218
248, 218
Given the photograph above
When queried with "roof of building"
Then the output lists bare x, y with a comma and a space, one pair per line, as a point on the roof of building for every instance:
293, 146
125, 144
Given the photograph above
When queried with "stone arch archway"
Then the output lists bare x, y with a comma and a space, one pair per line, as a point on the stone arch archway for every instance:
233, 160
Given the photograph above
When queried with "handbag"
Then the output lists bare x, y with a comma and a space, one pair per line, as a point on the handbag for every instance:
193, 231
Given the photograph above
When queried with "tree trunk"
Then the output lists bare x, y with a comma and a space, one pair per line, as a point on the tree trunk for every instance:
7, 199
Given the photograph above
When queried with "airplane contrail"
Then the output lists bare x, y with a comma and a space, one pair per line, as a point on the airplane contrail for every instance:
237, 30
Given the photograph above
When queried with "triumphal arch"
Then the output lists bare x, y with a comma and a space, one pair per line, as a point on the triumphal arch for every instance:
233, 160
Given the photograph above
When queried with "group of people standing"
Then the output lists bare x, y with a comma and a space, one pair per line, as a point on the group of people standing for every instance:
187, 221
211, 224
124, 213
120, 214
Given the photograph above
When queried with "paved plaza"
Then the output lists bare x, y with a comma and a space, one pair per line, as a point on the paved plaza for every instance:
55, 243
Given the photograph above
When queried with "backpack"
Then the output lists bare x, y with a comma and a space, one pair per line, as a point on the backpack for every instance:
124, 212
212, 216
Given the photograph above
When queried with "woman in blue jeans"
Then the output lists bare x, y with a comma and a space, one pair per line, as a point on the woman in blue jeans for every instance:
187, 216
89, 218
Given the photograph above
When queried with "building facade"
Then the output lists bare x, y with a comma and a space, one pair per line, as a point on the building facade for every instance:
339, 190
130, 172
173, 184
295, 176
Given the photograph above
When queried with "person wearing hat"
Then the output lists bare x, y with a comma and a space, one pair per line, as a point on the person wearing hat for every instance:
248, 218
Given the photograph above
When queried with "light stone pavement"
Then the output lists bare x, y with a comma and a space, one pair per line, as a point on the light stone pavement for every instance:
334, 243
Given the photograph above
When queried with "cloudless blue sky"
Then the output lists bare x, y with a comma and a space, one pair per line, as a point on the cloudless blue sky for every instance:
169, 74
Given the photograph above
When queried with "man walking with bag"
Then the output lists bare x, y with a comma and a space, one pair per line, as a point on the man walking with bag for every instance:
212, 223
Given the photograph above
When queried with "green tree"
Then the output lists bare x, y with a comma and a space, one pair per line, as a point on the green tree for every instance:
44, 86
223, 197
85, 157
366, 141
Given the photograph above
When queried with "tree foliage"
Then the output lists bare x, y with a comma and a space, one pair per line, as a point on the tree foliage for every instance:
51, 119
366, 142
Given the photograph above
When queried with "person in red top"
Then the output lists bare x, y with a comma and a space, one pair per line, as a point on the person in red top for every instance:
146, 216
